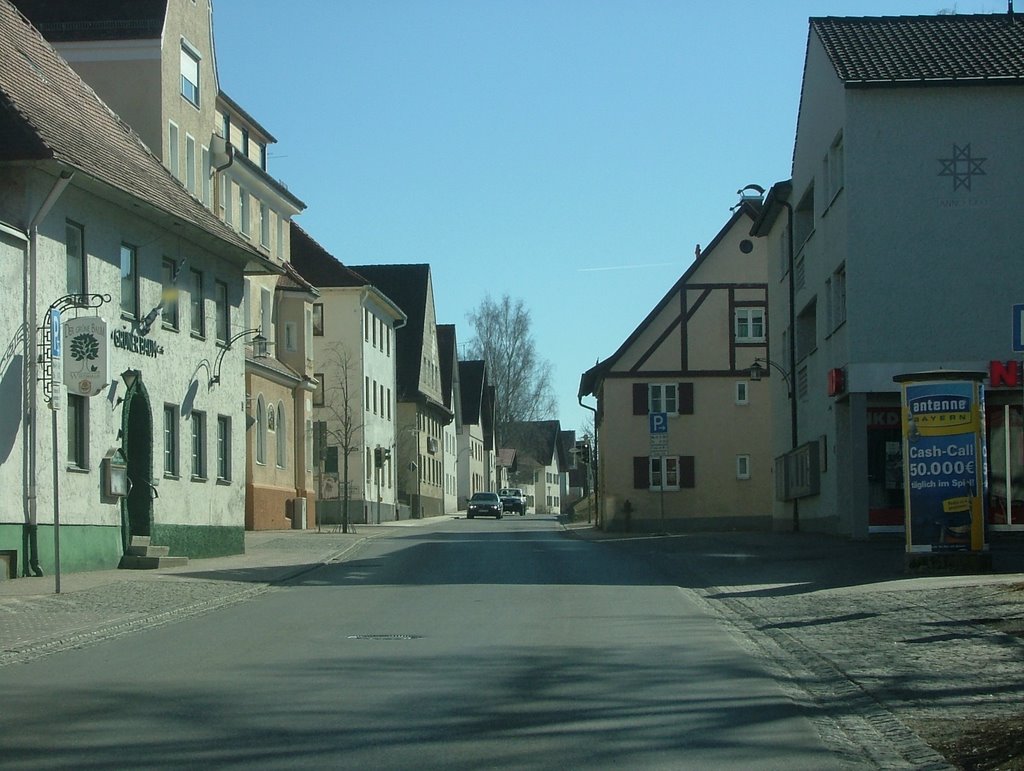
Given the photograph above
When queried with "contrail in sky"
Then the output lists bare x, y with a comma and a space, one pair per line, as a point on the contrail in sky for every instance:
626, 267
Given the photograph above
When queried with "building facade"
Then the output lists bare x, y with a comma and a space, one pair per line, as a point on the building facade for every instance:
683, 435
899, 258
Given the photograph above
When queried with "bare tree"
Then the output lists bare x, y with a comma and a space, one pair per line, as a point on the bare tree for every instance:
344, 426
522, 380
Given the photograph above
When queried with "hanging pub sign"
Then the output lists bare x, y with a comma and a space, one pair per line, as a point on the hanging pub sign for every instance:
943, 460
86, 355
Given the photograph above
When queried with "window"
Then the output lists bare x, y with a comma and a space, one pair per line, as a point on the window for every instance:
291, 342
264, 226
366, 325
261, 431
389, 404
366, 394
197, 315
204, 156
318, 319
282, 436
189, 73
374, 397
78, 412
229, 205
172, 150
318, 394
835, 161
170, 440
388, 341
263, 156
245, 141
837, 297
243, 203
190, 164
280, 236
662, 397
806, 330
223, 447
220, 295
743, 467
266, 312
679, 472
74, 251
169, 294
198, 445
129, 280
742, 395
803, 219
749, 325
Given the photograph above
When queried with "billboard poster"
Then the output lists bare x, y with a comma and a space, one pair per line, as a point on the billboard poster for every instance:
943, 440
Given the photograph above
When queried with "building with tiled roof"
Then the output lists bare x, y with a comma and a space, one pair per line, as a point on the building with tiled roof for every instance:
354, 345
91, 223
541, 463
477, 436
894, 250
422, 414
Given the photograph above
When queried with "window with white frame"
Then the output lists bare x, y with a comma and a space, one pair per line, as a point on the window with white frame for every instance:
264, 226
261, 431
243, 203
318, 394
663, 397
74, 252
172, 149
742, 394
671, 475
129, 280
78, 431
743, 467
291, 342
204, 156
190, 164
190, 73
749, 326
198, 444
228, 202
170, 440
197, 308
282, 437
223, 447
318, 319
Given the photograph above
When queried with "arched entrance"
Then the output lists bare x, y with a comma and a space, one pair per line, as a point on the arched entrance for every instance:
137, 446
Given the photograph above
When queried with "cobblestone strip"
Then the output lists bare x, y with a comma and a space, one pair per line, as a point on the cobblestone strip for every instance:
852, 723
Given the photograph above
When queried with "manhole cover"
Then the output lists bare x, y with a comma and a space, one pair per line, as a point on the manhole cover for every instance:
384, 637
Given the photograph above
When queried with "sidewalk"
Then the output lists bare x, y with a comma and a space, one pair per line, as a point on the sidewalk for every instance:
100, 604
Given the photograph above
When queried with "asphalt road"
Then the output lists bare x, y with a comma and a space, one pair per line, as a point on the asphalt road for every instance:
458, 645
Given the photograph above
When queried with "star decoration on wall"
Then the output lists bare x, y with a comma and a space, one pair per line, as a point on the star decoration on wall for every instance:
962, 167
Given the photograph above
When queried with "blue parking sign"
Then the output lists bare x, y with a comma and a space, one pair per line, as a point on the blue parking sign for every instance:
659, 422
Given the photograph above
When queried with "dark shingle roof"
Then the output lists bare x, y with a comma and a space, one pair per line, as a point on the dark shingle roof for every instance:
535, 440
51, 113
407, 286
66, 20
318, 266
923, 49
447, 361
472, 379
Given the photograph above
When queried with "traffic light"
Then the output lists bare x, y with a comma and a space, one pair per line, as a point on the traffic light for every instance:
378, 457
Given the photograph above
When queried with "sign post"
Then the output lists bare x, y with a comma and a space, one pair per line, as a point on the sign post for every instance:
659, 449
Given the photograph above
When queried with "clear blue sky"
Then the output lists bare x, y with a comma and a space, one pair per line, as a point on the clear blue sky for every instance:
571, 153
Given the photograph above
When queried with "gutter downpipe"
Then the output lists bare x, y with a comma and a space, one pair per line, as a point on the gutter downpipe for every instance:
31, 342
793, 425
593, 459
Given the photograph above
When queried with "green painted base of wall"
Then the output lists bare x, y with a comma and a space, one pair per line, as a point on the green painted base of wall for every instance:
197, 542
82, 547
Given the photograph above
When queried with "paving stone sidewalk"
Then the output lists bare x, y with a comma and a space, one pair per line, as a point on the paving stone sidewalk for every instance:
896, 664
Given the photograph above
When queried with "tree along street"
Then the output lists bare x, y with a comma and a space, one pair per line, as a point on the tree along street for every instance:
461, 644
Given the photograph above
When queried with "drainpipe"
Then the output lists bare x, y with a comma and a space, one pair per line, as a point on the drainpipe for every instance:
31, 340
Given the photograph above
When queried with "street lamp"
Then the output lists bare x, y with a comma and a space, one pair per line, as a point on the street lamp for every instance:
259, 351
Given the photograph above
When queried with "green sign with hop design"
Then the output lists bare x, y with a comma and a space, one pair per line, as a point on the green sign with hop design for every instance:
86, 355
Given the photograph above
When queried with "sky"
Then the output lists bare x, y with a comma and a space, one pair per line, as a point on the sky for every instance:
568, 153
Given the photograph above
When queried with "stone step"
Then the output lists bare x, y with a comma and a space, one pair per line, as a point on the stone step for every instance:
137, 550
137, 562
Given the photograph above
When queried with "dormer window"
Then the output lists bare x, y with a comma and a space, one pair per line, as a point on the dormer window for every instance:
190, 73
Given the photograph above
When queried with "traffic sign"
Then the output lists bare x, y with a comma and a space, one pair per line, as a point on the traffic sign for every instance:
659, 422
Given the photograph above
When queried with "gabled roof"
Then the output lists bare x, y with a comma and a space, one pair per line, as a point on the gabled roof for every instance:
51, 114
407, 286
447, 362
293, 280
75, 20
918, 50
318, 266
536, 440
472, 379
589, 379
505, 458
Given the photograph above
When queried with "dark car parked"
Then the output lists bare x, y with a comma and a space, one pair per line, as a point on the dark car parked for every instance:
513, 500
485, 504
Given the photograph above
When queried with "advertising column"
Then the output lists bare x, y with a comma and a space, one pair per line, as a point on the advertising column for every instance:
943, 460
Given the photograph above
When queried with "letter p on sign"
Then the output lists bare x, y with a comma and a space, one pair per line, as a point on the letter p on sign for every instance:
659, 422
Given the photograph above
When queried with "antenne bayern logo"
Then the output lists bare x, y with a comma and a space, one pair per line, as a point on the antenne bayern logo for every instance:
962, 167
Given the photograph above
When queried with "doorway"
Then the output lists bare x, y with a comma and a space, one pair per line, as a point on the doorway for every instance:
137, 445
